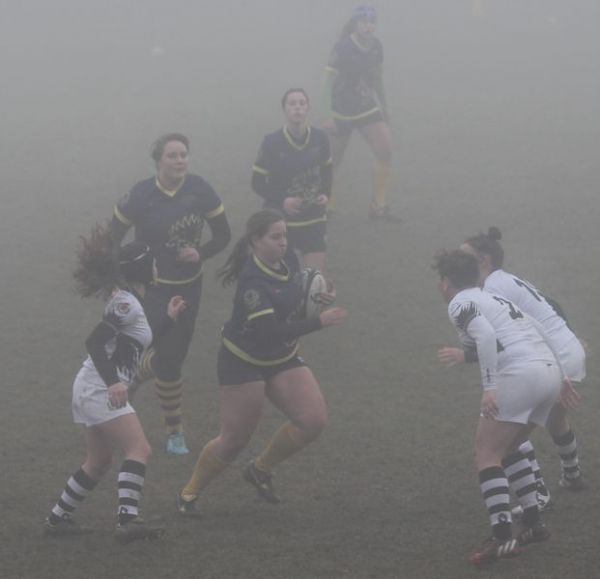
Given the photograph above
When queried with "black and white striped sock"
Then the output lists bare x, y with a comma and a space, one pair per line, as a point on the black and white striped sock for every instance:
131, 483
521, 479
78, 487
567, 449
527, 449
494, 488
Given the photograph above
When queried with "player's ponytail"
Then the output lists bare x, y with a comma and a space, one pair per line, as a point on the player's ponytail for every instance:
489, 245
257, 226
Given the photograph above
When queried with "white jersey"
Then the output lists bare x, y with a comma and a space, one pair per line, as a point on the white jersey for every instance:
126, 316
504, 337
529, 300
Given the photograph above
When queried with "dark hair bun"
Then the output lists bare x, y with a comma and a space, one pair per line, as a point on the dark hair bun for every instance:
494, 233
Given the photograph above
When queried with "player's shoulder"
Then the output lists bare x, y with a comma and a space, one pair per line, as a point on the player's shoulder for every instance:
274, 139
318, 135
123, 305
143, 187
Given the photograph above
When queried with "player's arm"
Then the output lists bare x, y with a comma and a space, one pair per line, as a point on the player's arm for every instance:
269, 327
220, 234
121, 220
326, 171
327, 91
95, 345
261, 171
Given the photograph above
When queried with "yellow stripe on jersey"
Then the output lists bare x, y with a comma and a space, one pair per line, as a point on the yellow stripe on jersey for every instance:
122, 217
266, 269
259, 170
331, 69
179, 281
293, 143
355, 117
261, 313
247, 358
212, 214
304, 223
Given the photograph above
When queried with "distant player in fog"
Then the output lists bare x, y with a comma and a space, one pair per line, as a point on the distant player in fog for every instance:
292, 173
490, 258
354, 98
168, 212
521, 381
100, 401
259, 360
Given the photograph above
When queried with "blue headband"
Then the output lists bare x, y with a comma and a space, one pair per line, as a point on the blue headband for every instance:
364, 12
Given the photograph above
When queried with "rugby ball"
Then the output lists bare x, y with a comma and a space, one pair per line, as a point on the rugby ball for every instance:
313, 285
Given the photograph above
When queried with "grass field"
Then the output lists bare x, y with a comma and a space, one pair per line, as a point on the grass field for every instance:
485, 133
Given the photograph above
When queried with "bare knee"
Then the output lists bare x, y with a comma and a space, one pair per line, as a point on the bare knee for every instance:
229, 445
311, 425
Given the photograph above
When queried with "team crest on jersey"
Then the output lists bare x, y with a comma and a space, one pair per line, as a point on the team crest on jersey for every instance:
251, 299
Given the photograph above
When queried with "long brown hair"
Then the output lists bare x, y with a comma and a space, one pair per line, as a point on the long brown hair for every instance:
257, 226
97, 270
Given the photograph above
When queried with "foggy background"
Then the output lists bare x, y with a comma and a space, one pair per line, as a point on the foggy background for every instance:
495, 111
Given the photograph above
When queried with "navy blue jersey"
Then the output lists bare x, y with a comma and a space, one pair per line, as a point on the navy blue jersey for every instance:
263, 292
169, 220
356, 69
294, 169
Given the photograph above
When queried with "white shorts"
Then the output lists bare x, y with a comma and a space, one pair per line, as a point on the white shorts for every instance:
527, 394
91, 405
572, 358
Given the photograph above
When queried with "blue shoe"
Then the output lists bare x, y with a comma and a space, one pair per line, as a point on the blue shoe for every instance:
176, 444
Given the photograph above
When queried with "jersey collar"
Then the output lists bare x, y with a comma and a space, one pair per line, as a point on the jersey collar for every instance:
291, 140
168, 192
270, 272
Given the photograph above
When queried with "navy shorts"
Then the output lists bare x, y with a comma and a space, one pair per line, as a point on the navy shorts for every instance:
308, 238
232, 370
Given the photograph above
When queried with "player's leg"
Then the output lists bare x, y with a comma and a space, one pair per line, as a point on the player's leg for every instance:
80, 484
379, 137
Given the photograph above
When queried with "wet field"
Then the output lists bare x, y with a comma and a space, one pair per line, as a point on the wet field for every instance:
495, 117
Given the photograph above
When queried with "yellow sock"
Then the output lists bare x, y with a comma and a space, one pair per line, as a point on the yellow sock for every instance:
382, 175
282, 445
169, 395
207, 468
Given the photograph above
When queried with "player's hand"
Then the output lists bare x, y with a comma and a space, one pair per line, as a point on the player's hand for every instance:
451, 356
292, 205
333, 316
569, 397
321, 200
188, 254
176, 305
489, 406
117, 395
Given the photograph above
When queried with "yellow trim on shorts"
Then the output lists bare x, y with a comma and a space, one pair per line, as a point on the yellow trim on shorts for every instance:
247, 358
259, 170
355, 117
122, 217
179, 281
212, 214
261, 313
305, 223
